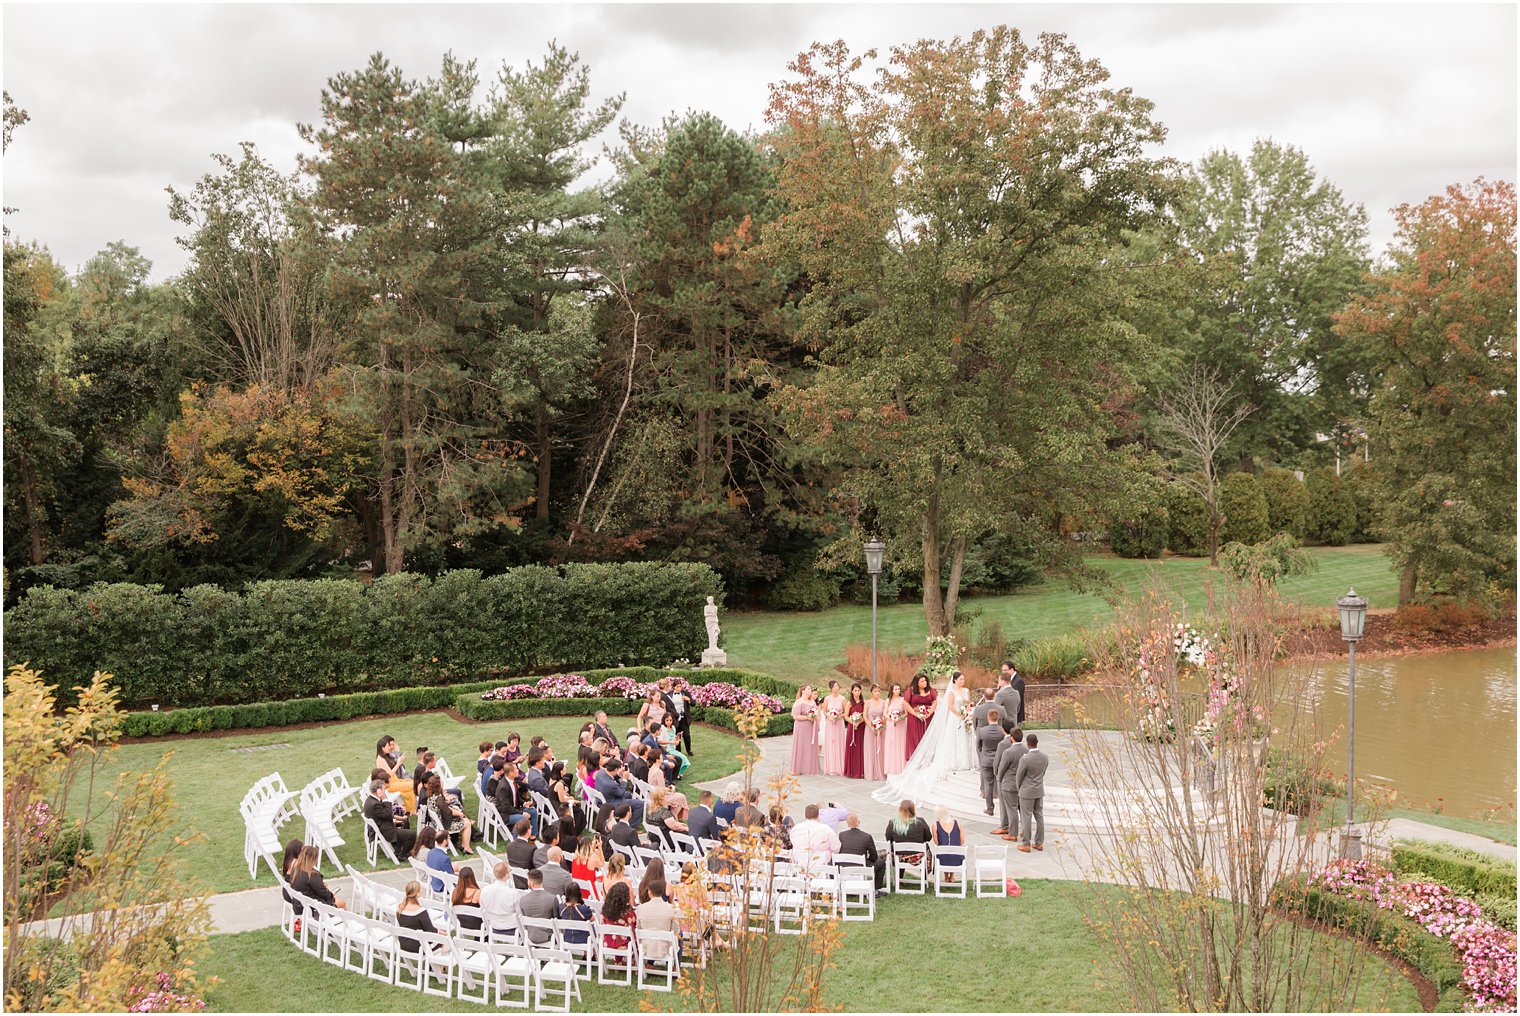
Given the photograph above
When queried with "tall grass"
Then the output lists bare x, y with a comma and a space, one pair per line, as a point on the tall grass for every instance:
1055, 658
891, 668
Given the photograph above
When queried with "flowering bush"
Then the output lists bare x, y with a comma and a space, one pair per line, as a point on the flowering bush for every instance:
38, 825
163, 998
940, 655
1487, 951
566, 686
731, 696
509, 692
620, 687
1190, 645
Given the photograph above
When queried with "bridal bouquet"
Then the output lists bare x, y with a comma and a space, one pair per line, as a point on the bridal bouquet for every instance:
834, 714
813, 713
921, 712
877, 724
967, 721
856, 719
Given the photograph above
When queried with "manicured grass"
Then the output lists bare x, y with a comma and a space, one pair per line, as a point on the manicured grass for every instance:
1501, 832
807, 646
1032, 953
209, 776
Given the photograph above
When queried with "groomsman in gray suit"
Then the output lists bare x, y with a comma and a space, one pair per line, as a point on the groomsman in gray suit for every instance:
1007, 699
979, 714
1010, 753
1029, 778
988, 738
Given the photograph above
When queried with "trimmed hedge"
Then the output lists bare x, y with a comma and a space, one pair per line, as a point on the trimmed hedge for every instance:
1332, 511
463, 697
1434, 957
1466, 872
1244, 508
283, 639
1187, 521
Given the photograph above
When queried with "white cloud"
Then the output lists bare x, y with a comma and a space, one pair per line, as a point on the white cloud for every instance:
1390, 102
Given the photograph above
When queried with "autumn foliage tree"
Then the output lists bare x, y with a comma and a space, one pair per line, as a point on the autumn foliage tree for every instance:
956, 217
1441, 327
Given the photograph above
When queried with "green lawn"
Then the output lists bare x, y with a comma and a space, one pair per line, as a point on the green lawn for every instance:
806, 646
1030, 954
209, 776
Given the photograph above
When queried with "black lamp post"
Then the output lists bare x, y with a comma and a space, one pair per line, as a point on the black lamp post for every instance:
1353, 611
874, 550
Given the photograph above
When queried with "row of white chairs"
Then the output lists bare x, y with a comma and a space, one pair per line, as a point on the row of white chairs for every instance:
265, 808
326, 801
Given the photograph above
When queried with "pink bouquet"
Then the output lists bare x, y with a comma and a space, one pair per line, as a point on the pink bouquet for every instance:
877, 724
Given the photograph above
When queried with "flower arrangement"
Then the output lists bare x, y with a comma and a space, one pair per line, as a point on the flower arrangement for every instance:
877, 724
1190, 645
163, 998
39, 824
940, 655
1487, 951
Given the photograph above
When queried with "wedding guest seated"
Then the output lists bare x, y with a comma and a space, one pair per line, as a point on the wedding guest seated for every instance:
907, 827
588, 863
656, 914
570, 824
622, 831
610, 784
388, 757
492, 776
512, 801
778, 827
538, 903
749, 813
668, 740
420, 771
638, 763
702, 823
948, 833
292, 851
556, 874
661, 820
616, 873
499, 901
520, 852
308, 881
728, 806
813, 844
467, 893
487, 749
448, 814
413, 916
618, 912
379, 811
430, 853
537, 775
575, 909
653, 873
512, 752
855, 840
601, 728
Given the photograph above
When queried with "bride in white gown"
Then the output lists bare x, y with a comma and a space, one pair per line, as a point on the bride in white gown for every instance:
945, 749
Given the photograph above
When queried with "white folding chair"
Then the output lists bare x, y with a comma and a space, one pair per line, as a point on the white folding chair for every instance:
949, 869
789, 904
584, 952
618, 959
375, 844
558, 975
989, 869
659, 960
474, 978
906, 870
857, 892
539, 931
684, 843
488, 863
515, 974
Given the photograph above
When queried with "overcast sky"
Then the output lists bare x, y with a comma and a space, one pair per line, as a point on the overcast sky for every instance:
1392, 103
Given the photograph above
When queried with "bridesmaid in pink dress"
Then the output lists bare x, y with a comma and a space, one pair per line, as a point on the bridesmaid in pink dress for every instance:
833, 731
876, 712
894, 743
921, 696
805, 733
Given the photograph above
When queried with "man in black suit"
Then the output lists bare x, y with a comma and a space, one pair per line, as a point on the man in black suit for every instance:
622, 832
679, 707
855, 840
601, 728
638, 768
379, 811
701, 823
520, 853
420, 772
512, 797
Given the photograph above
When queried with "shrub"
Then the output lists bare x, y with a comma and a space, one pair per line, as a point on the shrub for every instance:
1060, 657
282, 640
1287, 503
1187, 530
1267, 561
1464, 871
1332, 512
1293, 787
1244, 509
1361, 484
803, 588
1445, 616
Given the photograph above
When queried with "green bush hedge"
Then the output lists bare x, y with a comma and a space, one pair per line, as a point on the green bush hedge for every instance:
1287, 503
1332, 511
1244, 508
1434, 957
1187, 529
285, 639
1466, 872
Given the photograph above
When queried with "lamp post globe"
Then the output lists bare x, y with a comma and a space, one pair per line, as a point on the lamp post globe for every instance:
874, 550
1353, 613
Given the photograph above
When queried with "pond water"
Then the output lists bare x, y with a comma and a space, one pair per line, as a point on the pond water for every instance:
1439, 728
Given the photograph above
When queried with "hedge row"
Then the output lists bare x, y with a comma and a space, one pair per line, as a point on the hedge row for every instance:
464, 697
1467, 872
1434, 957
282, 639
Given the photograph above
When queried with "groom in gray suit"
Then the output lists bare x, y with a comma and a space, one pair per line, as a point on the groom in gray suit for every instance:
1009, 754
988, 738
1029, 778
1007, 699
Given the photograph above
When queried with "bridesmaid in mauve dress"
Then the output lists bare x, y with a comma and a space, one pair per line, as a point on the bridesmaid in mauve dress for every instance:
894, 743
832, 723
876, 712
921, 698
855, 739
804, 734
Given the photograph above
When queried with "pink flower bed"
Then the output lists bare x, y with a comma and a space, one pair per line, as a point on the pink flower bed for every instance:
731, 696
565, 686
1487, 951
164, 998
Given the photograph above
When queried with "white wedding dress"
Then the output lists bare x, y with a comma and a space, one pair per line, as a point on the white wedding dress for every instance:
946, 749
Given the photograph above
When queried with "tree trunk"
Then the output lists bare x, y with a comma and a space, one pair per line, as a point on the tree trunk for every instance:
1216, 523
390, 558
1408, 578
545, 461
934, 605
33, 510
953, 584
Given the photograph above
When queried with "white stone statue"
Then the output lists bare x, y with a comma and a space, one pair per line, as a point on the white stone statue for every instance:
712, 656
